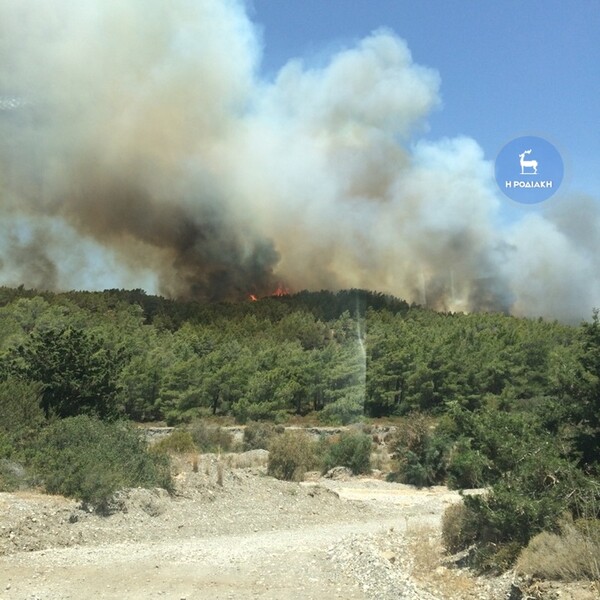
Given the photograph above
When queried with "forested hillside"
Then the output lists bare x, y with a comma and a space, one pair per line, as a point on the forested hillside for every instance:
340, 355
480, 399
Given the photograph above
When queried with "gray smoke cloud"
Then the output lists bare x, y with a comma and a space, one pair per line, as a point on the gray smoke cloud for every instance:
140, 147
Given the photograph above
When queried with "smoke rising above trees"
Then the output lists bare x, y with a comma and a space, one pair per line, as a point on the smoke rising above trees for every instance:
140, 147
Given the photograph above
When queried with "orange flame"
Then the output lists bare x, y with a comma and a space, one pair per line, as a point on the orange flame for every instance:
281, 291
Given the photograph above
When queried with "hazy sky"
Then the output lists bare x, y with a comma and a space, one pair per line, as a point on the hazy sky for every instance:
507, 68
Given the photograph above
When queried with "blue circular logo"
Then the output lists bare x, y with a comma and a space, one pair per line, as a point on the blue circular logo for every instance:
529, 169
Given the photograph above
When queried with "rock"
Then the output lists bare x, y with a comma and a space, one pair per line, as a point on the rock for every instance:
339, 473
13, 471
153, 502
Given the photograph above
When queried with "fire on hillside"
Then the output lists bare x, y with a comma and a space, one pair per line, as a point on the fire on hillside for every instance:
280, 291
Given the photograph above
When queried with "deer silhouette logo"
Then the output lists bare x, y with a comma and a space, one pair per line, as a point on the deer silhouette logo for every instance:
527, 164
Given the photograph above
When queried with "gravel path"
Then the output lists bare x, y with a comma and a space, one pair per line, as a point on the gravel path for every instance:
254, 537
274, 564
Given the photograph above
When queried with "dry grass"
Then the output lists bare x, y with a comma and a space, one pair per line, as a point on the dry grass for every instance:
458, 532
381, 460
247, 460
571, 555
428, 568
184, 462
177, 442
220, 472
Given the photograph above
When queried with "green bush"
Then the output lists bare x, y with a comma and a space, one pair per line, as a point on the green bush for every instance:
258, 435
490, 442
178, 442
466, 468
420, 453
352, 450
88, 459
532, 498
21, 419
6, 445
174, 418
410, 470
211, 438
291, 455
21, 416
77, 369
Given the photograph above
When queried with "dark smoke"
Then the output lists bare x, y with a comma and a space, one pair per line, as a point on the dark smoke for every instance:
109, 135
139, 148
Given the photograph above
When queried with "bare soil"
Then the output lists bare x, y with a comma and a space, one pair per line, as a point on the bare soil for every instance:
252, 537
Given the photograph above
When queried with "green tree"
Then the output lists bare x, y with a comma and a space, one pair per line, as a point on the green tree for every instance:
21, 416
78, 374
585, 395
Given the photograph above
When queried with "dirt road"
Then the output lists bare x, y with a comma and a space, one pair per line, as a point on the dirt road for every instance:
253, 538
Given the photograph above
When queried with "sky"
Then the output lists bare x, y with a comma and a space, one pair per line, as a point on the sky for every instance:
507, 68
218, 149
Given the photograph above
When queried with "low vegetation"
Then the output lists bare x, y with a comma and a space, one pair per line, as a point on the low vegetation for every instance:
210, 438
481, 400
177, 442
459, 529
258, 435
88, 459
349, 449
291, 455
571, 554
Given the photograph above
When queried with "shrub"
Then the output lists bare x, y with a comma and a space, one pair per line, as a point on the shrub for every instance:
458, 530
6, 445
291, 455
531, 499
352, 450
211, 438
496, 558
466, 468
259, 435
420, 453
77, 367
490, 442
412, 434
572, 554
250, 459
21, 416
88, 459
178, 442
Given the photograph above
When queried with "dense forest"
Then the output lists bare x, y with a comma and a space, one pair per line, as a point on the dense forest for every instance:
339, 355
482, 399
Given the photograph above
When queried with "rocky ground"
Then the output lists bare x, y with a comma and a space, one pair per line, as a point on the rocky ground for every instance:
251, 537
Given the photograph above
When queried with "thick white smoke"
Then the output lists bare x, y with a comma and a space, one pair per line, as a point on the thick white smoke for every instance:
140, 148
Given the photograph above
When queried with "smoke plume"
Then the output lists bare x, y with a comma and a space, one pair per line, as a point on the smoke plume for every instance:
139, 147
